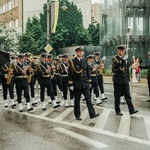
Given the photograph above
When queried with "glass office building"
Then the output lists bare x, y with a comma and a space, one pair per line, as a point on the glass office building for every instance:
117, 17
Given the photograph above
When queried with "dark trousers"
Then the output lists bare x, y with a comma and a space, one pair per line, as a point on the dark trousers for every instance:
54, 83
77, 95
49, 91
31, 84
65, 87
71, 94
19, 90
100, 83
120, 89
148, 81
7, 87
59, 82
95, 88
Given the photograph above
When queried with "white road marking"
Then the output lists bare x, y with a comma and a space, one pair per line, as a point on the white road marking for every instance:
124, 127
147, 125
47, 112
64, 114
81, 138
83, 116
87, 128
100, 123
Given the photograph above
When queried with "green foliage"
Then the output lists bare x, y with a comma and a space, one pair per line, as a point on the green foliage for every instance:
8, 38
94, 32
69, 31
27, 43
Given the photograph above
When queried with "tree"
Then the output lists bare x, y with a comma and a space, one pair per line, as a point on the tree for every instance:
9, 39
27, 43
83, 37
69, 31
94, 33
71, 19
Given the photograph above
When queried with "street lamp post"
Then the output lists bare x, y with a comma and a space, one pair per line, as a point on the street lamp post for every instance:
49, 7
48, 20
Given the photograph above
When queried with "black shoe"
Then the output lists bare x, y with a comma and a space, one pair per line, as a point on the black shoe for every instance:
94, 116
148, 101
44, 109
119, 114
99, 103
78, 118
6, 106
34, 104
123, 103
135, 111
50, 102
58, 102
30, 109
56, 106
13, 106
21, 110
103, 99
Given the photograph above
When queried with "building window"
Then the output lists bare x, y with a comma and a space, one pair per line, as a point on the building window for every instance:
9, 5
15, 3
16, 23
1, 9
12, 4
4, 9
9, 24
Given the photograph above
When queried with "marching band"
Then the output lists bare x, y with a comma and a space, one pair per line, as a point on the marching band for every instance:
24, 71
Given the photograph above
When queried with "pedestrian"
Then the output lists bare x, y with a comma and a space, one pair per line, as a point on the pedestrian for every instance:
43, 71
148, 73
80, 83
100, 69
64, 73
93, 75
21, 74
31, 80
121, 81
8, 82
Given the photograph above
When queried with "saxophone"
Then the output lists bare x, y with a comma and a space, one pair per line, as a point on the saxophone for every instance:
31, 73
101, 67
53, 70
9, 75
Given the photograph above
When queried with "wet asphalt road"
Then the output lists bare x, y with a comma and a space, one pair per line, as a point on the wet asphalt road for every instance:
27, 132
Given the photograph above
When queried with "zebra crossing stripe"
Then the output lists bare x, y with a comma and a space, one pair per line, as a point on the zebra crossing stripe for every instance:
81, 138
47, 112
101, 122
83, 116
147, 125
64, 114
124, 127
100, 131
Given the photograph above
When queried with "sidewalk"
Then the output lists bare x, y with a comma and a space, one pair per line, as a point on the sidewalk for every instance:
108, 80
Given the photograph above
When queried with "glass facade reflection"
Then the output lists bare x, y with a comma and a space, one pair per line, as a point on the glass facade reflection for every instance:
117, 16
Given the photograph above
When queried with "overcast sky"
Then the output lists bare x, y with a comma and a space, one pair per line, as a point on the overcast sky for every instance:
97, 1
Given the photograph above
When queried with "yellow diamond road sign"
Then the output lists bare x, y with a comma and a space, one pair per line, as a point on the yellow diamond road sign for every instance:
48, 48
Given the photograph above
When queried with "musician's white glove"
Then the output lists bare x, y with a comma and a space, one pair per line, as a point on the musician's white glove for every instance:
71, 88
125, 57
